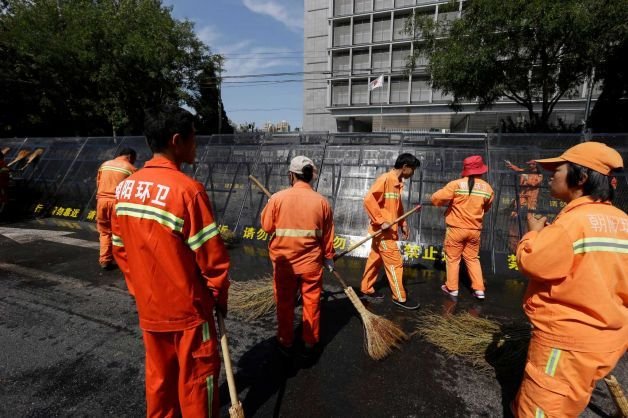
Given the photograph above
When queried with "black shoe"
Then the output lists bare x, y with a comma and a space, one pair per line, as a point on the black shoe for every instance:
408, 304
308, 352
375, 295
284, 350
108, 266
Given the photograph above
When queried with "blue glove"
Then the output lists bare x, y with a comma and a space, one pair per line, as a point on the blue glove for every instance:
329, 264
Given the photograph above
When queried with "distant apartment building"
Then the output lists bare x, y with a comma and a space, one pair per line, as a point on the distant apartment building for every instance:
282, 126
349, 43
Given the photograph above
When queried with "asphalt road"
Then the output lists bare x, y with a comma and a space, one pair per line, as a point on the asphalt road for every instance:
70, 346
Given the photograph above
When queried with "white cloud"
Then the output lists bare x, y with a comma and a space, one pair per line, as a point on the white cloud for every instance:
244, 57
288, 12
208, 34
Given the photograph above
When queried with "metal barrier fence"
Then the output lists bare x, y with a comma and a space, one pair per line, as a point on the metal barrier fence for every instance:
60, 183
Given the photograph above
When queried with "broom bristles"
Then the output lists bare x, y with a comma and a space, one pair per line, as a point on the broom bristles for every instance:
469, 337
381, 335
236, 411
252, 299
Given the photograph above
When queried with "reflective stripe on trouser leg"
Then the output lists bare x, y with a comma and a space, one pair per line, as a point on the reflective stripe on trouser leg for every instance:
395, 287
210, 394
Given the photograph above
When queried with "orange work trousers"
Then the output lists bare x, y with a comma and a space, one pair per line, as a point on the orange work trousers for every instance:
104, 209
463, 243
182, 369
384, 252
559, 383
285, 285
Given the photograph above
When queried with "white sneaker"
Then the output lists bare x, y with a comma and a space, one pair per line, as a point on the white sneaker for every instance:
449, 292
479, 294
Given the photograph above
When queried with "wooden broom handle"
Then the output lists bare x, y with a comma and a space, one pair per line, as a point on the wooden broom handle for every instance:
233, 393
260, 185
378, 233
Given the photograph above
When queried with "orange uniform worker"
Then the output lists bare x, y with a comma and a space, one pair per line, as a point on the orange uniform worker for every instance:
467, 200
383, 204
302, 221
577, 295
168, 246
110, 174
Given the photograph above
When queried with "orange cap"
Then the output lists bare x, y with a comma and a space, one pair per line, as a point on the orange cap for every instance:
593, 155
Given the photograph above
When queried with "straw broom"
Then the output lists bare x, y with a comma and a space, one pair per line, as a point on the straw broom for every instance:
236, 410
473, 339
380, 334
21, 154
252, 299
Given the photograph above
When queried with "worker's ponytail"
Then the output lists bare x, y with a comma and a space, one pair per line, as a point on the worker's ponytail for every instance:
471, 183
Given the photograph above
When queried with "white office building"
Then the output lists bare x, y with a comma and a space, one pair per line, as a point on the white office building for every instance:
350, 43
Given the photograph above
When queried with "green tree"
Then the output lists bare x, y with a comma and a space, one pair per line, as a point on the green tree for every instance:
83, 67
533, 52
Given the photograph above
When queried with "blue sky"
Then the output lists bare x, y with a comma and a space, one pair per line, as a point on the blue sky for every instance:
256, 37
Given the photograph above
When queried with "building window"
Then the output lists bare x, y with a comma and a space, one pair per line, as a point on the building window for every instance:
342, 34
399, 25
340, 94
342, 7
399, 57
421, 90
380, 95
399, 90
361, 31
362, 6
383, 4
340, 64
381, 29
404, 3
359, 92
361, 62
380, 63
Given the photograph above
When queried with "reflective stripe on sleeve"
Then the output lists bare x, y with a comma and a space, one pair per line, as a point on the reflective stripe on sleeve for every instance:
295, 233
391, 195
150, 212
473, 193
117, 241
600, 244
117, 169
202, 236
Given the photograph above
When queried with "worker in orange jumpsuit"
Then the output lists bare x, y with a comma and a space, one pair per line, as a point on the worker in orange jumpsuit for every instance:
383, 205
467, 200
110, 174
529, 184
577, 295
303, 227
168, 246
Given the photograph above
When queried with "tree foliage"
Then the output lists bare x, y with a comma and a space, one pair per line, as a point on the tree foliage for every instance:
533, 52
90, 67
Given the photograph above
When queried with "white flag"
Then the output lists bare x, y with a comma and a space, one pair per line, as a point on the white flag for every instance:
378, 82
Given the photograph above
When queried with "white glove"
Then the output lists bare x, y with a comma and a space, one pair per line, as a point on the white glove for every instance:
329, 264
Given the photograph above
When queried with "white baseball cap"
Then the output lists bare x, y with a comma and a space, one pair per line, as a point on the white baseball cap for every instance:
300, 161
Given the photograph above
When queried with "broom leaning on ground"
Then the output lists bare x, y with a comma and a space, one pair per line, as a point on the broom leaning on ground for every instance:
381, 335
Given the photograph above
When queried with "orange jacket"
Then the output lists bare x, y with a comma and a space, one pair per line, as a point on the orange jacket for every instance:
465, 210
303, 223
167, 244
383, 204
110, 174
577, 296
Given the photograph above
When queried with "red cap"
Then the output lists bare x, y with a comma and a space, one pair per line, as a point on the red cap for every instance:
473, 165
